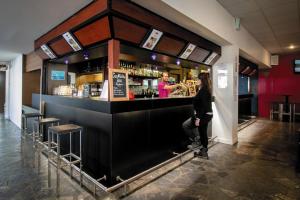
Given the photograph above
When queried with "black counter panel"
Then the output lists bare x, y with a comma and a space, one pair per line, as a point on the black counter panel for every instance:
122, 138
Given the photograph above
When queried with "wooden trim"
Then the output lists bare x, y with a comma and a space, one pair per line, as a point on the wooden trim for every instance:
143, 15
78, 18
110, 85
113, 53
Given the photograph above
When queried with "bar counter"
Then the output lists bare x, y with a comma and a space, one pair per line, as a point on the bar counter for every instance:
122, 138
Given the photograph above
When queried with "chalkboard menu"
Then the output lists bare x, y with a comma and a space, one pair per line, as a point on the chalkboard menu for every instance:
118, 81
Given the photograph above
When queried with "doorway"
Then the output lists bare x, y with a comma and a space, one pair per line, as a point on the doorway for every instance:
2, 91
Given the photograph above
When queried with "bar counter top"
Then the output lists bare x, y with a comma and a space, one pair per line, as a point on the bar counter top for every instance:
101, 105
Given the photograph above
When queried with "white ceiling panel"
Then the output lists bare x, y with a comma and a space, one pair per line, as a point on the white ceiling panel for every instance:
274, 23
265, 4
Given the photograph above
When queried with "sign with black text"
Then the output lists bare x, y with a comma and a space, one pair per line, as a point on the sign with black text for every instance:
118, 82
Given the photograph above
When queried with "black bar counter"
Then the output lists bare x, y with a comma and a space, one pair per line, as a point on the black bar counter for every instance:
122, 138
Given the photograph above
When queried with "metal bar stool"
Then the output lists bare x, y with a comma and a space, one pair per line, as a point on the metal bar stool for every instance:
63, 130
26, 116
38, 129
296, 110
275, 109
287, 111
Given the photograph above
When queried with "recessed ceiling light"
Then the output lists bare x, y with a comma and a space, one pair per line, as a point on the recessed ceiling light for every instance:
291, 47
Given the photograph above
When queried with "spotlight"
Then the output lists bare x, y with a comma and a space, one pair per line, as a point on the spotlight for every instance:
153, 57
291, 47
178, 62
66, 61
85, 56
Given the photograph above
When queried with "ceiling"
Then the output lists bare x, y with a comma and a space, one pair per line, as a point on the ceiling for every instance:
274, 23
21, 22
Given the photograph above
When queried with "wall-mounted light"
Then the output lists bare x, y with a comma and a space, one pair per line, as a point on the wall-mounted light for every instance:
3, 67
66, 61
178, 62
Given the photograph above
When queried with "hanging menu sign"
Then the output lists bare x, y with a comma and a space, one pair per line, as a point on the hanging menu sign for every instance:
48, 51
118, 82
187, 52
152, 39
71, 41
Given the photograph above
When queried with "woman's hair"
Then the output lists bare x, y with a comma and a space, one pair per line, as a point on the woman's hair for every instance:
205, 81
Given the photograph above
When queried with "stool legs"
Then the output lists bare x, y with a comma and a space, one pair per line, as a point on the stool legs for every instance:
58, 165
60, 158
49, 151
25, 125
70, 155
80, 163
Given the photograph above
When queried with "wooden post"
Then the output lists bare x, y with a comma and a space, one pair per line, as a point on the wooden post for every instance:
113, 53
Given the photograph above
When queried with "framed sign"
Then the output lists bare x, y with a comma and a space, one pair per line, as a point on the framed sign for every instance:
118, 85
57, 75
188, 50
152, 39
71, 41
210, 58
48, 51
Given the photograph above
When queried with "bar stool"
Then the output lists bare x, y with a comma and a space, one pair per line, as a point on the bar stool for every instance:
38, 128
26, 116
59, 131
296, 111
287, 112
275, 108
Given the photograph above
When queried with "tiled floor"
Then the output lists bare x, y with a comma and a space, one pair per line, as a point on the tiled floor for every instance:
20, 177
261, 166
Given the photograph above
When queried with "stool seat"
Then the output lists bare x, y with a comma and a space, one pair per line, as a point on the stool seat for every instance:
30, 115
71, 158
47, 120
66, 128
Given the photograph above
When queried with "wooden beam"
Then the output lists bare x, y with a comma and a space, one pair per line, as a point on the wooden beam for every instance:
113, 54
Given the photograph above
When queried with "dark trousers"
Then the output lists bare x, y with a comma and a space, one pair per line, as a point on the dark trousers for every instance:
191, 130
203, 134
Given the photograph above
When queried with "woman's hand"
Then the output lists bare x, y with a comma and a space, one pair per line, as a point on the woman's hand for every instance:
197, 122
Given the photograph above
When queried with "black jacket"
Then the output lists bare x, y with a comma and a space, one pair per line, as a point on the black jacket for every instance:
202, 104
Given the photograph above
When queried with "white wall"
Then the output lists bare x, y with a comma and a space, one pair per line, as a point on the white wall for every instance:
15, 90
225, 107
211, 15
6, 111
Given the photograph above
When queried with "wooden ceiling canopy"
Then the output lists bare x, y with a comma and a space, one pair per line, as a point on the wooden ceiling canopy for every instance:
128, 22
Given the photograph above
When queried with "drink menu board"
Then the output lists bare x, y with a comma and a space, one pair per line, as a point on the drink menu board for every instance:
118, 82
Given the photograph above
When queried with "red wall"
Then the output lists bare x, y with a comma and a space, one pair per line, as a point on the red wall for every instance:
277, 81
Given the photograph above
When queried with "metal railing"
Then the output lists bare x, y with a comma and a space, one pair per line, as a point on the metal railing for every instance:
124, 183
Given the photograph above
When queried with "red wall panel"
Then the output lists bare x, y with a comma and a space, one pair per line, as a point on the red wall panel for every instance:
278, 81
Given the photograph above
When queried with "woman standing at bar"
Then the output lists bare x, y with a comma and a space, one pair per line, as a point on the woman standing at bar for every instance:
202, 114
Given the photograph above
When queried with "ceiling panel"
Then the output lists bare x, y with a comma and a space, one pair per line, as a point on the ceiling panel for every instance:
273, 3
274, 23
135, 35
94, 32
170, 46
240, 7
